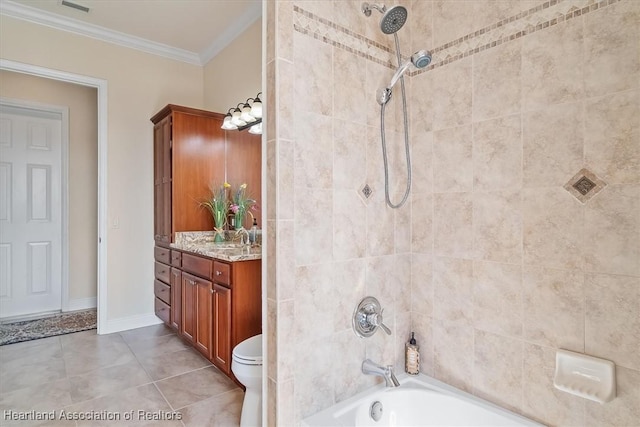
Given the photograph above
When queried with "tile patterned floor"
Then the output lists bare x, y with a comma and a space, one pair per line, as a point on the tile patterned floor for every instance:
143, 374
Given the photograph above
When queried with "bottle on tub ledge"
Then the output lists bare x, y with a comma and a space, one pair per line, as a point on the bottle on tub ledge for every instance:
253, 233
412, 357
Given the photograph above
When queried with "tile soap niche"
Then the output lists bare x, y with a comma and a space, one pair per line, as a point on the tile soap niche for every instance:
585, 376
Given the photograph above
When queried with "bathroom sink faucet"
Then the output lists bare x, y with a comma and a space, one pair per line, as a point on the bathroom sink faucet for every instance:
243, 232
371, 368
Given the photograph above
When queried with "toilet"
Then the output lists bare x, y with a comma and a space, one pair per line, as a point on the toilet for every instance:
246, 365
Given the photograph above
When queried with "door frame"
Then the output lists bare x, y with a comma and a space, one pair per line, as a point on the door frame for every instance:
64, 183
101, 86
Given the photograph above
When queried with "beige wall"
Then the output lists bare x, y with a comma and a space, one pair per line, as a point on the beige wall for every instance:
139, 85
493, 263
83, 168
235, 73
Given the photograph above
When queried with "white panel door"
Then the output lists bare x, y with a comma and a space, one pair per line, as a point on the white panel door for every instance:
30, 211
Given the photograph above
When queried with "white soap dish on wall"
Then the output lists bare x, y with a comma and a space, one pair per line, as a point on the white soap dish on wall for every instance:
585, 376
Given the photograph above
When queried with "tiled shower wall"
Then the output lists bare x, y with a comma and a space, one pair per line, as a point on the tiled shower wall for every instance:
493, 261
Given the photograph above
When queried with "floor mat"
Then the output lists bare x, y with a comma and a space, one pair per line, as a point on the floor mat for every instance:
59, 324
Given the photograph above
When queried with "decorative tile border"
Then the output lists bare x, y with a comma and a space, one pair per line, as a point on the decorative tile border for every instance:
545, 15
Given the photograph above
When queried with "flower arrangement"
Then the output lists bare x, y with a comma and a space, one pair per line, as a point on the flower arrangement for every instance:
242, 205
218, 206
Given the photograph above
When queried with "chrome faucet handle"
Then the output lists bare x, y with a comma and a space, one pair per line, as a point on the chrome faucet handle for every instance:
367, 318
376, 320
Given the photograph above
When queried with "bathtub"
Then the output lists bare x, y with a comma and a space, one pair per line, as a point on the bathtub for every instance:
419, 401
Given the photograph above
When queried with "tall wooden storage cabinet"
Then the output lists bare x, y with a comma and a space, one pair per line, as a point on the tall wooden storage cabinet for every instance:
189, 151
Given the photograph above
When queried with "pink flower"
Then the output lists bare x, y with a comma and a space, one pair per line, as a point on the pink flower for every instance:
235, 208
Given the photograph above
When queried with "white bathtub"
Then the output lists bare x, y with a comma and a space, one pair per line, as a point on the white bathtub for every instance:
419, 401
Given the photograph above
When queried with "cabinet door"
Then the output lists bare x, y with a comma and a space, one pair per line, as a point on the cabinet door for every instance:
162, 180
203, 317
176, 298
221, 351
189, 298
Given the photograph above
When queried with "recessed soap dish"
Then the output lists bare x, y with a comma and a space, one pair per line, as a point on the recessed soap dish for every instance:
585, 376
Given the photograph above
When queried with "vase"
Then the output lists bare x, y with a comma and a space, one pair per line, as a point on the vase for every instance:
239, 219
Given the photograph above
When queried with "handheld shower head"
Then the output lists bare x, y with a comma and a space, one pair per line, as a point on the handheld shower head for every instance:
420, 59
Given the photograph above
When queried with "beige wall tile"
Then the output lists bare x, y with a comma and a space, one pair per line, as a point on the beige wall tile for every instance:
271, 178
349, 379
313, 226
541, 401
624, 410
497, 226
286, 100
380, 227
612, 322
612, 51
313, 302
348, 288
421, 101
422, 223
554, 307
452, 355
284, 17
452, 94
496, 82
553, 145
314, 388
497, 369
271, 337
313, 74
497, 154
285, 253
612, 240
453, 224
286, 330
452, 286
349, 155
612, 137
497, 298
421, 284
553, 76
422, 161
402, 227
313, 158
349, 75
452, 159
553, 228
349, 237
284, 177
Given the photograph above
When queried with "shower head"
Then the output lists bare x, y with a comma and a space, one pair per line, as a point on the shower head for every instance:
420, 59
392, 19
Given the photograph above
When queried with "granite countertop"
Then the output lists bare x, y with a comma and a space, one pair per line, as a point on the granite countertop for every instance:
201, 243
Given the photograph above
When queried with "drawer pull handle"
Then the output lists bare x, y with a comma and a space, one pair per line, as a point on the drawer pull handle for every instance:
213, 291
218, 273
192, 282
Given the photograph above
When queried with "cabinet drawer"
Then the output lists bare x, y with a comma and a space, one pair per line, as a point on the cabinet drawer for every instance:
162, 272
221, 273
197, 265
176, 258
163, 311
162, 291
161, 254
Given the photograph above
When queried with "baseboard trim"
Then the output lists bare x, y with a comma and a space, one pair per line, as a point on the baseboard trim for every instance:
81, 304
126, 323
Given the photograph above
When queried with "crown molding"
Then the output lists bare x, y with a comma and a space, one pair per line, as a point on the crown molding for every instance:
253, 13
38, 16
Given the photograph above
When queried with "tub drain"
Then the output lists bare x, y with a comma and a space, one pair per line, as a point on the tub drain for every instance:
376, 411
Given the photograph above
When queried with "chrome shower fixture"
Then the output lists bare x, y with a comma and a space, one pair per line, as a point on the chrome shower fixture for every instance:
420, 59
392, 19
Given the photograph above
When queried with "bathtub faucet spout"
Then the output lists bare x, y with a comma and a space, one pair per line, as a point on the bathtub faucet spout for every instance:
371, 368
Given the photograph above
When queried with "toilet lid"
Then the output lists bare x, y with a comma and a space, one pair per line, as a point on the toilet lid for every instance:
249, 351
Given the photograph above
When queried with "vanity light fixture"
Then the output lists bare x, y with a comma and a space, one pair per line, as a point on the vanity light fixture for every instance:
246, 115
